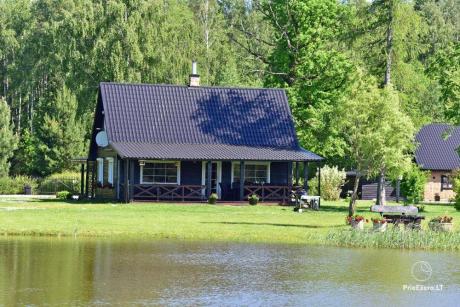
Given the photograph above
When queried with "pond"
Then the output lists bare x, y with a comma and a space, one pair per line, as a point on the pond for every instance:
76, 272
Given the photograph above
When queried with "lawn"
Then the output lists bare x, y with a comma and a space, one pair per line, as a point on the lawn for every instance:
269, 224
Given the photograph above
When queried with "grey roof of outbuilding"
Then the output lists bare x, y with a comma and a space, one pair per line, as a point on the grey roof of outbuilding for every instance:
437, 147
147, 121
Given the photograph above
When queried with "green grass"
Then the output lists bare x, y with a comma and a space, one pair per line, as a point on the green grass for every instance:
268, 224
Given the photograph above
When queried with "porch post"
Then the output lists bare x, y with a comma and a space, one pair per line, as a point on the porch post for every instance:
126, 184
208, 178
131, 180
242, 180
297, 173
305, 176
82, 179
319, 184
87, 179
289, 174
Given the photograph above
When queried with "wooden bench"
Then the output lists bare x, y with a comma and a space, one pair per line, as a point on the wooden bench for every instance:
397, 215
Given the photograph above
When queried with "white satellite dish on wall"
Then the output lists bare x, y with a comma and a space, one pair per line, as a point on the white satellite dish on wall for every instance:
101, 139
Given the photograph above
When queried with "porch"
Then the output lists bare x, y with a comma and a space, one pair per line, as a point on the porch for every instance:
160, 180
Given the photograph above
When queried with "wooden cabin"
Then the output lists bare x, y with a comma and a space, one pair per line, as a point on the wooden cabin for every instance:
181, 143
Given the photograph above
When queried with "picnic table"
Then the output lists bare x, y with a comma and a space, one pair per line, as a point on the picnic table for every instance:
400, 215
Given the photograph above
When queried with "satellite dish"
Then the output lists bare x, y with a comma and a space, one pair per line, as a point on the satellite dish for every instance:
101, 139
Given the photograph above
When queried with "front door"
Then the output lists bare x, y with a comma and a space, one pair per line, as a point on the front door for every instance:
216, 176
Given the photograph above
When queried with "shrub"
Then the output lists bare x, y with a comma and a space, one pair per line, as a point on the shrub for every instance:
213, 199
67, 181
253, 199
63, 195
413, 185
421, 208
15, 185
332, 180
456, 182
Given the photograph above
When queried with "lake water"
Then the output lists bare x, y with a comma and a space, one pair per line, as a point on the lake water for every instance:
68, 272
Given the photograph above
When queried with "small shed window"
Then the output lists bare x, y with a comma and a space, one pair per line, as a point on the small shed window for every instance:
160, 172
255, 173
110, 170
446, 183
100, 170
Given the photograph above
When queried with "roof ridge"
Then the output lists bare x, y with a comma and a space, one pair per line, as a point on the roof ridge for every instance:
193, 87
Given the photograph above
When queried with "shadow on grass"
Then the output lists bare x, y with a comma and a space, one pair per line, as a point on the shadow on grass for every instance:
78, 202
275, 224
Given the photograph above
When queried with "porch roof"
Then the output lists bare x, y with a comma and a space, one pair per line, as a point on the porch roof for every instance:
210, 152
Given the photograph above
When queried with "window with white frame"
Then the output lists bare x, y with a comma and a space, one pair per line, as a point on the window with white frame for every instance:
257, 173
110, 170
161, 172
100, 170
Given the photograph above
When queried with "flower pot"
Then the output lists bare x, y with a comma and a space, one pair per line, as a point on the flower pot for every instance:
380, 227
357, 225
445, 227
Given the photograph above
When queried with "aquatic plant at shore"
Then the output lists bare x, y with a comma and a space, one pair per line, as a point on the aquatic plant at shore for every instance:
401, 239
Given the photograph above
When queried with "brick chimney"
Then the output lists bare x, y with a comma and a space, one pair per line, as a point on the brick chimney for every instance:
194, 77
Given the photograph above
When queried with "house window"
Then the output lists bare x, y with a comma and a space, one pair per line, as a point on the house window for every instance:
255, 173
100, 170
446, 183
161, 172
110, 170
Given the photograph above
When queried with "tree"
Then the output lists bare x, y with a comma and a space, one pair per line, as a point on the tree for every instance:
307, 61
377, 135
8, 140
446, 68
413, 184
60, 135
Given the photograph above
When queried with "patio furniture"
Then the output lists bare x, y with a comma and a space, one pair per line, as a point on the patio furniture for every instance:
400, 215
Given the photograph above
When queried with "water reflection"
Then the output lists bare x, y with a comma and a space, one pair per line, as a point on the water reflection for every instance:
93, 272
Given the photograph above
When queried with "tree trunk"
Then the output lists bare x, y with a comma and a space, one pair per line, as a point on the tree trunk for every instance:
389, 48
381, 195
354, 196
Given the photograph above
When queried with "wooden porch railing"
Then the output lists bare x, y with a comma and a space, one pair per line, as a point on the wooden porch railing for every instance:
269, 192
168, 192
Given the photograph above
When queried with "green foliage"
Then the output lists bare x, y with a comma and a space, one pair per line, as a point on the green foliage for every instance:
61, 134
8, 139
396, 239
413, 185
308, 62
212, 200
446, 68
456, 187
15, 185
63, 195
253, 199
332, 180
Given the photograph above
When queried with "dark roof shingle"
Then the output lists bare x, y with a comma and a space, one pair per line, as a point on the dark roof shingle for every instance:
437, 146
181, 122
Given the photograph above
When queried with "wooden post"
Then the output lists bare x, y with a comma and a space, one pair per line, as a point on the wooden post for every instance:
289, 174
131, 180
82, 179
297, 173
209, 178
305, 176
242, 179
319, 185
126, 181
87, 179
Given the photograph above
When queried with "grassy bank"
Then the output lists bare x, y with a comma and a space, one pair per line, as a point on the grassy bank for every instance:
269, 224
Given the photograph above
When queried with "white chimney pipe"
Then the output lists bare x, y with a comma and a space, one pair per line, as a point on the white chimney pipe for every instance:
194, 77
